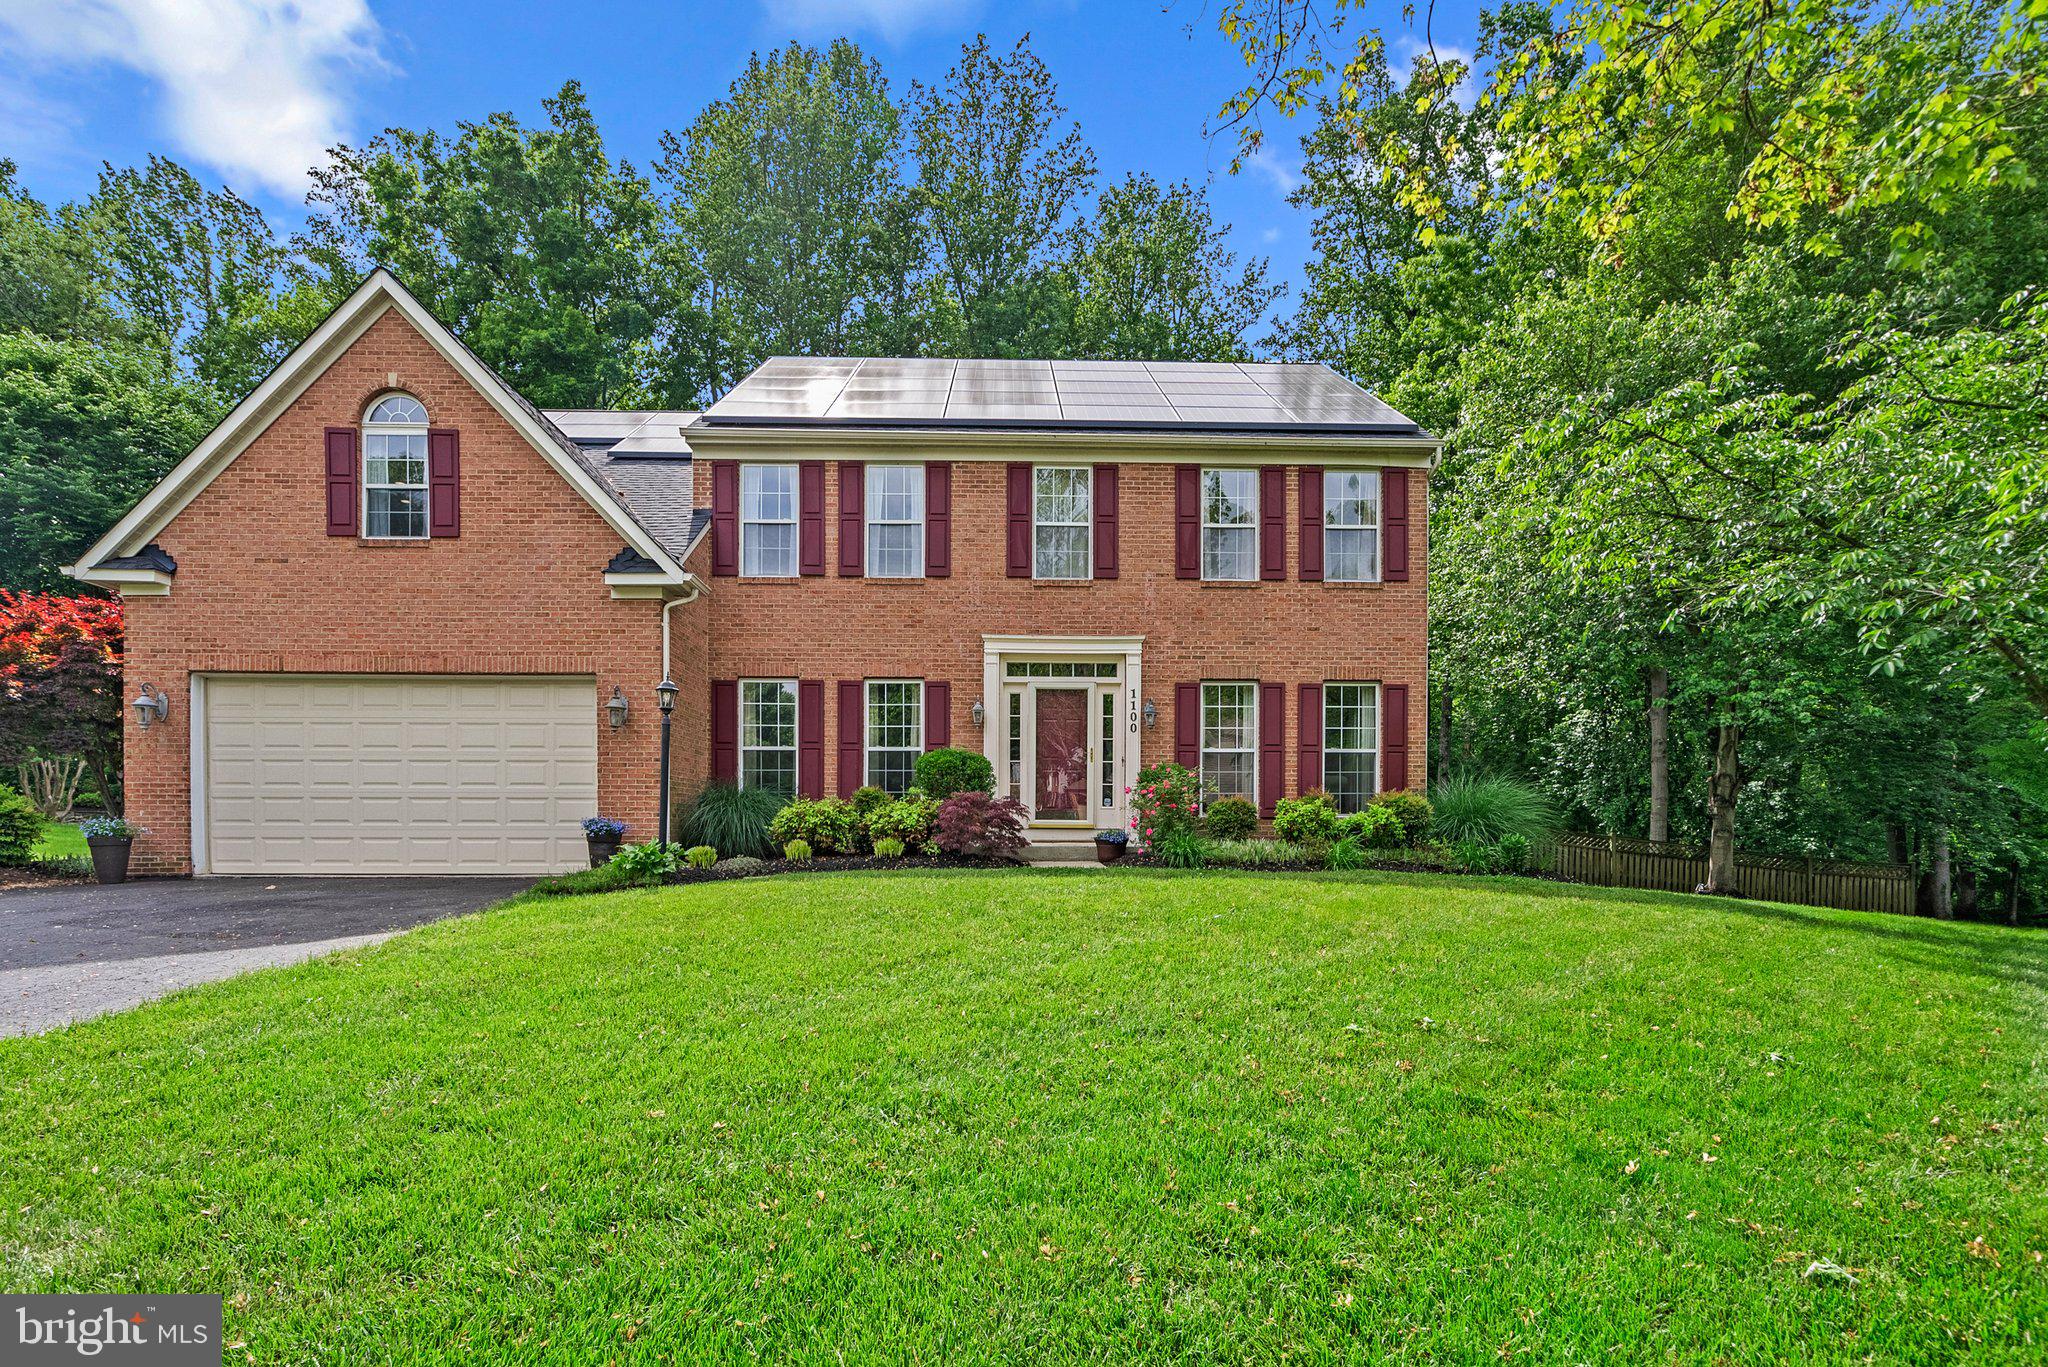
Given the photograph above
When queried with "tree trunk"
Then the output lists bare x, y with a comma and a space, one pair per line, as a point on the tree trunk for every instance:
1721, 795
1443, 740
1944, 891
1660, 755
2012, 898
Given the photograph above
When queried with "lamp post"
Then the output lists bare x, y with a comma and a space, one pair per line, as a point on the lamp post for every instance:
665, 693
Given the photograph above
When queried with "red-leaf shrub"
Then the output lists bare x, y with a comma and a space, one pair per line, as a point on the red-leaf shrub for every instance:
60, 682
981, 825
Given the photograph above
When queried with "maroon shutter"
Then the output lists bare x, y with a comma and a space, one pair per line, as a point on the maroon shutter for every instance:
1187, 522
341, 481
1272, 745
1105, 522
852, 734
1394, 522
810, 738
1020, 522
1393, 737
938, 713
725, 730
1308, 740
725, 517
1311, 523
810, 485
1187, 725
444, 473
938, 520
853, 530
1273, 522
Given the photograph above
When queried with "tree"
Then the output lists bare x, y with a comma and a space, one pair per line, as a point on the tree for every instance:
1155, 281
999, 177
60, 683
85, 430
530, 242
47, 285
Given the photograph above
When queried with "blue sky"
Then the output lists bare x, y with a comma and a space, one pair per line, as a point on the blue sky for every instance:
247, 92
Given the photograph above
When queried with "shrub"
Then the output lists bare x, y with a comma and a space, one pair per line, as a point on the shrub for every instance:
1308, 819
826, 824
889, 847
1346, 854
1377, 828
1514, 853
1476, 807
1415, 813
949, 770
649, 863
742, 863
603, 828
1475, 856
1232, 818
700, 856
865, 803
731, 818
981, 825
21, 826
1181, 848
797, 852
1166, 798
909, 818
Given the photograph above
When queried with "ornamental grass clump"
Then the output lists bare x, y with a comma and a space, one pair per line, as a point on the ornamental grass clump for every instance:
1485, 808
728, 817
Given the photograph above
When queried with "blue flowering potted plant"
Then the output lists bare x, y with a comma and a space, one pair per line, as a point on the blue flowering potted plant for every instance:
604, 835
110, 839
1110, 845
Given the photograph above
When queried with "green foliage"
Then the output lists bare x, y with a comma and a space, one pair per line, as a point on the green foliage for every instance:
1255, 854
797, 852
1180, 848
728, 817
1166, 798
21, 827
1484, 808
605, 878
1412, 809
1231, 818
1476, 856
1308, 819
1376, 828
1346, 855
700, 856
909, 818
826, 825
1514, 852
648, 863
888, 847
741, 863
865, 800
949, 769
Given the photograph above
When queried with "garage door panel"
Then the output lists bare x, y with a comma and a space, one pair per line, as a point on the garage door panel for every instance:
398, 775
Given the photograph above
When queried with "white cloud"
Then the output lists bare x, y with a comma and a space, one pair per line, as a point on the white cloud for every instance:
892, 19
1269, 236
1285, 178
1412, 50
256, 89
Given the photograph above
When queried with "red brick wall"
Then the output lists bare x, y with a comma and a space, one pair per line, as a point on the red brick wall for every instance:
261, 586
1287, 632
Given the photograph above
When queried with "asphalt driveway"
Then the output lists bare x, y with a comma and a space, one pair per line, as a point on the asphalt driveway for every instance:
71, 952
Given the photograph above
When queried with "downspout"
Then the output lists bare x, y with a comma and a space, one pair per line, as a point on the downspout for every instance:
668, 691
690, 595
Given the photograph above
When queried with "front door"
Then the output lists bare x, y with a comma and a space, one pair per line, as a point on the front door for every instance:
1060, 754
1066, 749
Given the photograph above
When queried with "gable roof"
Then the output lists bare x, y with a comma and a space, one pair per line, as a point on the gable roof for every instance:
643, 460
379, 293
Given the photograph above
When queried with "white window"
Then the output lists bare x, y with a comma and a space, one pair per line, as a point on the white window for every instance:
1062, 514
1351, 525
395, 468
895, 521
768, 734
1351, 742
768, 520
1230, 524
1230, 742
895, 732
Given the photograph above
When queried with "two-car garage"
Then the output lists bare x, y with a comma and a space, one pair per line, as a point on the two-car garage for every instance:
392, 774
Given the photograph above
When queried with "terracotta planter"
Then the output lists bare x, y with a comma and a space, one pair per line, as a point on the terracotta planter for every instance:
110, 857
1109, 851
601, 851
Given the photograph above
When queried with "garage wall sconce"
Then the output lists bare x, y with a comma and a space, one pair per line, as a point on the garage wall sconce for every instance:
150, 706
616, 708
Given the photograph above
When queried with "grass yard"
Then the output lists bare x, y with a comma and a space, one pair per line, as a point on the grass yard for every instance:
945, 1117
62, 840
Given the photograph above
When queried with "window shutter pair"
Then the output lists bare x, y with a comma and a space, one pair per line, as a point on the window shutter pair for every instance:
343, 449
1105, 533
810, 734
938, 519
725, 517
1272, 704
938, 726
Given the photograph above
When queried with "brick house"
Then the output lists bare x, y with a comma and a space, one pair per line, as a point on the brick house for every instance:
400, 620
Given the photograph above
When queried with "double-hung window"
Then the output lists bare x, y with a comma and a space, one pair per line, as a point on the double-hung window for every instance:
895, 732
1062, 509
768, 520
1230, 524
1351, 525
895, 521
395, 468
768, 734
1351, 742
1230, 741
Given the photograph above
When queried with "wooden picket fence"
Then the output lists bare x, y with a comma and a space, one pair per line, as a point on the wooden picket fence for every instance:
1624, 862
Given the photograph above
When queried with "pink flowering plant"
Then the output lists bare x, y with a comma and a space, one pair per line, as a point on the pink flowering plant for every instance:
1165, 799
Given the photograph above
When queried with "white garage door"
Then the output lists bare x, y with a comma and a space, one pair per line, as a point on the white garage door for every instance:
396, 774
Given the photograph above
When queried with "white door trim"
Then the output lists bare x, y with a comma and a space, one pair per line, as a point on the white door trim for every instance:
996, 649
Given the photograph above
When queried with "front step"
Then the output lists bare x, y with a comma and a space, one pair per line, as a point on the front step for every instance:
1064, 853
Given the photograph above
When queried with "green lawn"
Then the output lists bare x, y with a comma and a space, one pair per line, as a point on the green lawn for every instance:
61, 840
1043, 1116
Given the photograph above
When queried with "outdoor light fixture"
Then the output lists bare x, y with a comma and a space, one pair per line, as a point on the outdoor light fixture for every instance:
1151, 714
664, 693
616, 708
978, 712
150, 706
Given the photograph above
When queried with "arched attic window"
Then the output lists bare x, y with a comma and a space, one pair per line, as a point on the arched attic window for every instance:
395, 468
